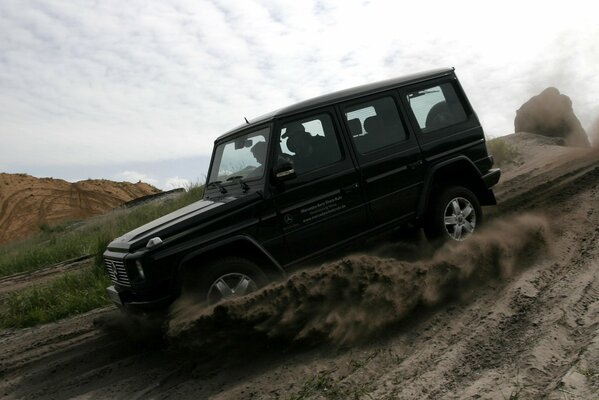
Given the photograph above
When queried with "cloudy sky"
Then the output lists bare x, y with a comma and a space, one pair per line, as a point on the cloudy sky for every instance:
131, 90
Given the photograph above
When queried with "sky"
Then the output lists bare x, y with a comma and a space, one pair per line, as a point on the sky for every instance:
139, 90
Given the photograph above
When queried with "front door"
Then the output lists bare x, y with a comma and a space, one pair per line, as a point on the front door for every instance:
323, 206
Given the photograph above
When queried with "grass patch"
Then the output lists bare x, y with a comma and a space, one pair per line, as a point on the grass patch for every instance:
80, 291
502, 152
53, 245
70, 294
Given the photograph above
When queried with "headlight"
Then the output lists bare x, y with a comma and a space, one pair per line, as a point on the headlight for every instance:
140, 269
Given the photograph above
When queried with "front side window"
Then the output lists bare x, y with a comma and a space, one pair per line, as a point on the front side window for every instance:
436, 107
309, 143
240, 158
375, 124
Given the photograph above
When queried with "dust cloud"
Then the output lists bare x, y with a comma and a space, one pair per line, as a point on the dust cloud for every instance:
139, 330
551, 114
594, 133
347, 301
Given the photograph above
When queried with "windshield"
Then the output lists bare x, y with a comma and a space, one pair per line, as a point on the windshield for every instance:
240, 158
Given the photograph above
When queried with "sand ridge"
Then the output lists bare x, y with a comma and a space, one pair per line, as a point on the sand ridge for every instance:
27, 203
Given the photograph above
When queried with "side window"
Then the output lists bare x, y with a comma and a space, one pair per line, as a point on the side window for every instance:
436, 107
309, 143
375, 124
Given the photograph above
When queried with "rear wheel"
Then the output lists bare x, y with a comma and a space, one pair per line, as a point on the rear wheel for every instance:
226, 278
454, 215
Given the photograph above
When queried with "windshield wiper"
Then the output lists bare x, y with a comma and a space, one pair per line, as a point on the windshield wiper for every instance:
220, 187
244, 186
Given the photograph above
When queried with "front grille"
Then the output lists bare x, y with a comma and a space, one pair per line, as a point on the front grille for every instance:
117, 271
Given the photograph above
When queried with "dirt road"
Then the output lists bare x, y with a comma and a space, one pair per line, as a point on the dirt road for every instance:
530, 332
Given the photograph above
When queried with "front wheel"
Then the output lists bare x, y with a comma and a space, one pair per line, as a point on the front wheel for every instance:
454, 215
226, 278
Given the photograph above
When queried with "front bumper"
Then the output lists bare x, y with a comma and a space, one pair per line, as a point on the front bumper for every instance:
125, 300
114, 296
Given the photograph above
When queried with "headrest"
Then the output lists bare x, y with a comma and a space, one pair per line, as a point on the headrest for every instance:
373, 124
355, 126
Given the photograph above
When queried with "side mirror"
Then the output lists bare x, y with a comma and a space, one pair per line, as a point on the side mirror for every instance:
284, 171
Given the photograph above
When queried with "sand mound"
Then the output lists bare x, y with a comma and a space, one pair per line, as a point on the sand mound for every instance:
28, 203
551, 114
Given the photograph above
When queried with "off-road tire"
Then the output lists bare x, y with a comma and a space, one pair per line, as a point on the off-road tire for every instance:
202, 280
435, 227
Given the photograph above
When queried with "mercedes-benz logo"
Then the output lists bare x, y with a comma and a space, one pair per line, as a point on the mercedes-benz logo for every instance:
288, 219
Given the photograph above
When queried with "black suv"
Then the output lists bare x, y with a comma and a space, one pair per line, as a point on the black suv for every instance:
297, 183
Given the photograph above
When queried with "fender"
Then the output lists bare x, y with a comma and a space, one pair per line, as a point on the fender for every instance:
222, 243
430, 175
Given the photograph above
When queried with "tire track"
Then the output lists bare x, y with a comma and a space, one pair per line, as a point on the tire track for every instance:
20, 281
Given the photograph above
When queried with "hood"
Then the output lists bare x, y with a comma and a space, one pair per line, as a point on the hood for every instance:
170, 224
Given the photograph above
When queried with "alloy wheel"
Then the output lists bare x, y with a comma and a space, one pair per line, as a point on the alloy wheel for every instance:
459, 218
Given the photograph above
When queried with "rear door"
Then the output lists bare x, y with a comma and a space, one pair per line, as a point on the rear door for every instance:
444, 121
323, 206
388, 155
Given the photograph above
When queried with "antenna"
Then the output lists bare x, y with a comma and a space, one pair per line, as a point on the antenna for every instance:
246, 120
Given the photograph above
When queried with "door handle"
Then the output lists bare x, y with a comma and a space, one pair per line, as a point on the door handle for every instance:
415, 164
350, 189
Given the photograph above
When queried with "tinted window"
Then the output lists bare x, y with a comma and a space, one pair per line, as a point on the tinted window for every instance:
375, 124
309, 143
436, 107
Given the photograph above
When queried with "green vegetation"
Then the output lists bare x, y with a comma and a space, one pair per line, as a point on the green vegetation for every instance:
45, 228
502, 151
80, 291
61, 243
70, 294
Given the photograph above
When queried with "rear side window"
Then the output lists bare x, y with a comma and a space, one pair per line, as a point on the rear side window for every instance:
436, 107
375, 124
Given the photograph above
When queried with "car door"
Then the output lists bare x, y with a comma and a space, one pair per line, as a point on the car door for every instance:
323, 205
443, 120
388, 155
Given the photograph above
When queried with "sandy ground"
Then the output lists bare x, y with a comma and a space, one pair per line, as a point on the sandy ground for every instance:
531, 331
27, 202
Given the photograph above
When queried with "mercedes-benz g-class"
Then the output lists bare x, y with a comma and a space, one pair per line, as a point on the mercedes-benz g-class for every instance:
292, 185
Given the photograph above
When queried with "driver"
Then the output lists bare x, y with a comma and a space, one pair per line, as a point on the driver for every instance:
259, 153
302, 144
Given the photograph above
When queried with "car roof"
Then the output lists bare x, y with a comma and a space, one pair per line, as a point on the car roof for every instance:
341, 95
